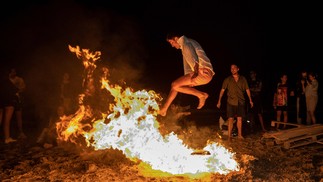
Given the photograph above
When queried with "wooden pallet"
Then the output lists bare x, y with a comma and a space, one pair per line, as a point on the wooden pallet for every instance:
298, 136
274, 123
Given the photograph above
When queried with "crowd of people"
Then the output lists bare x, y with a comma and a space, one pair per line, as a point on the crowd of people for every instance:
244, 95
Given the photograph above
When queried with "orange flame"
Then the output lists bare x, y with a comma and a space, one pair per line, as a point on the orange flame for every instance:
132, 128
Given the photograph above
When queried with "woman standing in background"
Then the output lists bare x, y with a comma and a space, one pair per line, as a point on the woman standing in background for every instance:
311, 96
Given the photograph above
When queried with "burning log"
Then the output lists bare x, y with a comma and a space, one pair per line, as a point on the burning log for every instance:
201, 152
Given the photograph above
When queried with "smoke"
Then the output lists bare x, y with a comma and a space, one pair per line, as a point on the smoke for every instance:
36, 39
178, 120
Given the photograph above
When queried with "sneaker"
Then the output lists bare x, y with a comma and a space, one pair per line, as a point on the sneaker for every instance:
9, 140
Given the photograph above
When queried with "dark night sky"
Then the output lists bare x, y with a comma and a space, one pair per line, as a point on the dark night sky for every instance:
269, 36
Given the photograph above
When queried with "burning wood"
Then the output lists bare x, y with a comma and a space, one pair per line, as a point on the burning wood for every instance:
201, 152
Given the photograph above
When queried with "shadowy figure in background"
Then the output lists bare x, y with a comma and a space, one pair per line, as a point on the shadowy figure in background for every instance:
48, 136
198, 70
300, 97
97, 97
21, 86
255, 86
311, 94
67, 93
7, 102
280, 102
236, 86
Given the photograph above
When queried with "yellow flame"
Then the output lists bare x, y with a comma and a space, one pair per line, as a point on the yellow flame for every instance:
131, 126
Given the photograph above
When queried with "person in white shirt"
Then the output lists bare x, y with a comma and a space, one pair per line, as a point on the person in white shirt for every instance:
198, 70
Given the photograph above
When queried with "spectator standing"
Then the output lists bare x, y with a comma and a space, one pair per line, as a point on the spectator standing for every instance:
236, 86
280, 102
7, 102
311, 94
300, 97
21, 86
66, 93
255, 86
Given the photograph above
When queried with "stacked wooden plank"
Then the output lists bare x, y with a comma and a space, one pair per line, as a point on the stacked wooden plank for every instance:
298, 136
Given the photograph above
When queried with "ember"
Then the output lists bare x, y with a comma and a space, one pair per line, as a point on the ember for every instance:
132, 128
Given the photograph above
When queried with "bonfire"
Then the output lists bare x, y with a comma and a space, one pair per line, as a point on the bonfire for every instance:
130, 125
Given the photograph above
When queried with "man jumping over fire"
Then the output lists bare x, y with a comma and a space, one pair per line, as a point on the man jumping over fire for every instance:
198, 70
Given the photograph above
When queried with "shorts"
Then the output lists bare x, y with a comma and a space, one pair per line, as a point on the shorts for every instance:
204, 76
18, 103
236, 111
281, 108
7, 103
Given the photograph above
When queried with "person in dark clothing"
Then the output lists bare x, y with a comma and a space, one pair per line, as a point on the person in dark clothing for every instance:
7, 105
255, 86
300, 97
21, 86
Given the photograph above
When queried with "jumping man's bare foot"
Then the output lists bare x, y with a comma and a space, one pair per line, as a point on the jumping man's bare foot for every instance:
202, 100
162, 112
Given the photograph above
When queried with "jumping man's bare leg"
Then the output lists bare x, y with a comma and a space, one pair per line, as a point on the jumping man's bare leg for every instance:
171, 96
183, 85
